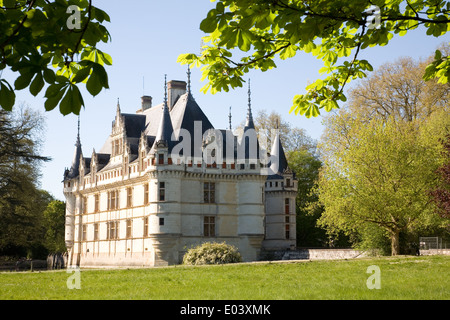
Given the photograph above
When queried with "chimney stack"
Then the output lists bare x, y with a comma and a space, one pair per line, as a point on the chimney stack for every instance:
175, 90
146, 102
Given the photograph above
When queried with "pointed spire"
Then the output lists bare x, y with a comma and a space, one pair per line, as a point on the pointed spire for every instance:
165, 130
189, 80
78, 134
118, 107
229, 119
74, 172
249, 123
278, 161
165, 91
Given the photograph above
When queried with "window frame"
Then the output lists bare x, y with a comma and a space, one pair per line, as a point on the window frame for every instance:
162, 191
209, 192
209, 226
129, 229
146, 194
129, 197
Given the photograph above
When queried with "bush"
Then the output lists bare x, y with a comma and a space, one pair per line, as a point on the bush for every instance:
212, 253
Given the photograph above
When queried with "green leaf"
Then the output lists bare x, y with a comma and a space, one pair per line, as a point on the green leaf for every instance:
209, 24
72, 101
54, 89
288, 52
23, 81
55, 96
7, 96
97, 80
106, 58
37, 84
49, 76
82, 74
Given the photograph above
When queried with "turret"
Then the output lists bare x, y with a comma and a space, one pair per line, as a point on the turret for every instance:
280, 194
71, 182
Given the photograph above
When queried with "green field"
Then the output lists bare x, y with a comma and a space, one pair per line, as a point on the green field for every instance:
401, 278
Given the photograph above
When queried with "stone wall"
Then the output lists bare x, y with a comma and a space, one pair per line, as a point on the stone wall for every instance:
431, 252
312, 254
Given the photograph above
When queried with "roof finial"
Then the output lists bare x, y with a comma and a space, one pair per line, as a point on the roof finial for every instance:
78, 125
229, 118
118, 111
249, 110
165, 91
78, 134
189, 80
249, 98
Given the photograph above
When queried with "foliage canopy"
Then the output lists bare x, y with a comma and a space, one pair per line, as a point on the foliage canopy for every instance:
377, 174
53, 43
335, 31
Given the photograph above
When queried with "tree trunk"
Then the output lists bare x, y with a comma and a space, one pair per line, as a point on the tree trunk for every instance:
395, 242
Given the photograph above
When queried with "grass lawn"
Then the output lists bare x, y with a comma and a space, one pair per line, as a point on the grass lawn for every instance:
407, 278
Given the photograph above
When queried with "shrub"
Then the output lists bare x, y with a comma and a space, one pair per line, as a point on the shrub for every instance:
212, 253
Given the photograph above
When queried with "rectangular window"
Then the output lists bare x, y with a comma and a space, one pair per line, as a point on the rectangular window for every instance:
113, 200
143, 163
116, 147
97, 203
84, 232
84, 205
129, 228
209, 192
95, 231
162, 191
209, 226
288, 183
161, 158
287, 233
287, 209
145, 226
108, 207
161, 221
113, 230
129, 197
146, 194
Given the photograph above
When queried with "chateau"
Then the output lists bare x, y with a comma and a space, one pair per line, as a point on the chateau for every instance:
166, 180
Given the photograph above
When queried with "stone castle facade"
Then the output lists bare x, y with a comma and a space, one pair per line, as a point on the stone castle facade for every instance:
166, 180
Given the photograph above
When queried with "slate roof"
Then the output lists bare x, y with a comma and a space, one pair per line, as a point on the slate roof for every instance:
165, 129
134, 124
282, 165
74, 172
161, 122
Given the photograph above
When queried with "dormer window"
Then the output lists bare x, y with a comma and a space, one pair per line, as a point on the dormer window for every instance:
117, 146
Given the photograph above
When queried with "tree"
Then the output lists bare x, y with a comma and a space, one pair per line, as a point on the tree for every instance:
54, 221
376, 174
441, 195
292, 138
397, 90
38, 37
21, 202
306, 165
334, 31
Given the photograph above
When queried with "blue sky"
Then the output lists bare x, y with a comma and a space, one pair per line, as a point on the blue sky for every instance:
147, 37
